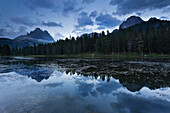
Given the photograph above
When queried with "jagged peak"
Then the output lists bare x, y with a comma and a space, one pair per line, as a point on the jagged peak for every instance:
37, 34
37, 29
132, 20
45, 31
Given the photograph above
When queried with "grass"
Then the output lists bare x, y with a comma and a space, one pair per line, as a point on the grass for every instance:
99, 55
159, 55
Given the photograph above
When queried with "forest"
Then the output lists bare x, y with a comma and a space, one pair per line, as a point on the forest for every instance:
144, 39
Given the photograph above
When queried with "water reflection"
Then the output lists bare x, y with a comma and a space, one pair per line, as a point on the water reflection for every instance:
132, 74
83, 86
27, 68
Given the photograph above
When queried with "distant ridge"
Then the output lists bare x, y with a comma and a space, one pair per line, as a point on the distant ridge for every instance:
34, 37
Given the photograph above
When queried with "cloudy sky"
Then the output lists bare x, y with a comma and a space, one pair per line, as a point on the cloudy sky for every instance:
62, 18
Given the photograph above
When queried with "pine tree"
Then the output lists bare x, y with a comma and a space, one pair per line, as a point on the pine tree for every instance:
140, 42
6, 50
0, 50
16, 50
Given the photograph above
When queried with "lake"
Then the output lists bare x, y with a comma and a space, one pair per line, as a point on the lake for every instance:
55, 85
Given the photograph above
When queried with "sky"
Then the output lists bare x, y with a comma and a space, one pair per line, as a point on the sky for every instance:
65, 18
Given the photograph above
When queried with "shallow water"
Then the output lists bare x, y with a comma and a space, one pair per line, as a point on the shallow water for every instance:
49, 85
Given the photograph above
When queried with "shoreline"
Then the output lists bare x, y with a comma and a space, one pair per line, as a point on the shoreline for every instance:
98, 55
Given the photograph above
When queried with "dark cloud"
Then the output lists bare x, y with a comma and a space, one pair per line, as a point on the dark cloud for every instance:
164, 18
60, 6
84, 20
59, 36
69, 6
83, 14
129, 6
101, 27
93, 14
53, 85
88, 1
79, 31
39, 14
2, 32
33, 4
52, 24
79, 9
8, 26
106, 20
22, 29
23, 20
12, 33
167, 9
139, 13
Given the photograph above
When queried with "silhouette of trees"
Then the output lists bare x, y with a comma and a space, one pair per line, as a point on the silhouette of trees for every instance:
145, 38
6, 50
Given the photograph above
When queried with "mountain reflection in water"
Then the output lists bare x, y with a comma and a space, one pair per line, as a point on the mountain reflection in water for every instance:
83, 86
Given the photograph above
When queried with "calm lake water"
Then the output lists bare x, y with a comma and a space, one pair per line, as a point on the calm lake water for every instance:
49, 85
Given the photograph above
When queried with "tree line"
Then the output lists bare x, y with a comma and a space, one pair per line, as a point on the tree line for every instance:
148, 39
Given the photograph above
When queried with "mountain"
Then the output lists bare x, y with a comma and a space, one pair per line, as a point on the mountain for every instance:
152, 22
37, 34
131, 21
34, 37
40, 37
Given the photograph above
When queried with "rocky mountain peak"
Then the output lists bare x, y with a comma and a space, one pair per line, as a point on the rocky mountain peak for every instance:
153, 19
37, 36
133, 20
40, 34
37, 30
